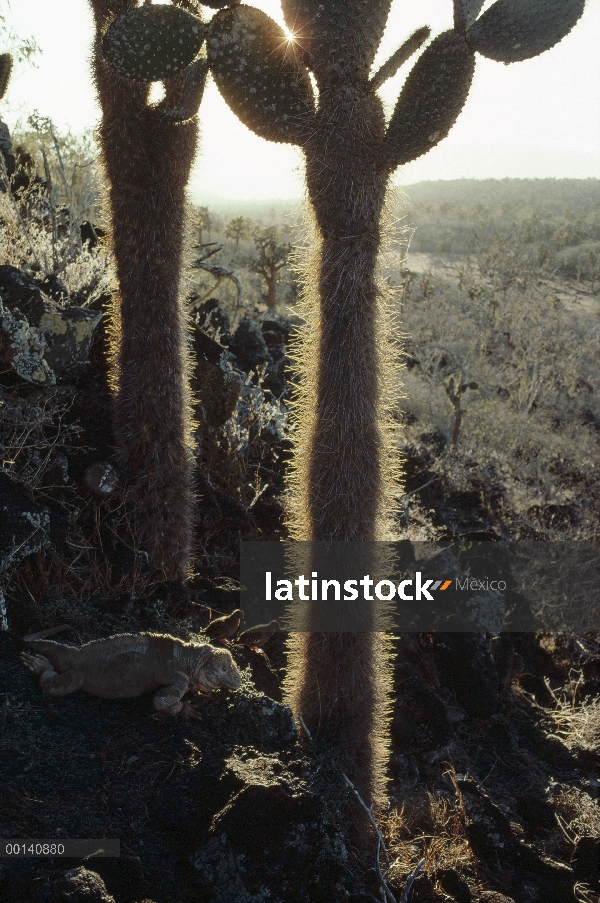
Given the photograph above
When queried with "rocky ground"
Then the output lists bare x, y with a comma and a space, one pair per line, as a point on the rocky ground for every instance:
494, 773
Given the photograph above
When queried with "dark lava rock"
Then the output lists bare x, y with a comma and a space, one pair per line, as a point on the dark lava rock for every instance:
123, 877
22, 293
101, 478
273, 722
487, 827
534, 684
423, 890
273, 840
536, 811
536, 659
91, 233
79, 885
492, 896
38, 338
210, 315
453, 885
15, 888
491, 838
58, 470
24, 525
206, 348
503, 653
276, 334
253, 722
420, 723
68, 333
467, 668
248, 346
585, 861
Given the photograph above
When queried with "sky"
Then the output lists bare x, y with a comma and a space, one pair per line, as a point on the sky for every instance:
535, 119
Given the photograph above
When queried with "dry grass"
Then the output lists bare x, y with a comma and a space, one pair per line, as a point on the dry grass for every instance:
430, 826
579, 725
578, 814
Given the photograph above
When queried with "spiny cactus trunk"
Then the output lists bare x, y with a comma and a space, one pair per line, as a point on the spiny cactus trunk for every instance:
339, 692
344, 478
147, 159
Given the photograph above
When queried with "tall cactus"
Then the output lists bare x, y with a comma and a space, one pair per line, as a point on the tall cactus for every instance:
350, 154
341, 487
147, 153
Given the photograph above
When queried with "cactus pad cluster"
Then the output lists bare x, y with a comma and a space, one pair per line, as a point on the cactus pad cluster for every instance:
514, 30
264, 77
258, 74
431, 99
151, 43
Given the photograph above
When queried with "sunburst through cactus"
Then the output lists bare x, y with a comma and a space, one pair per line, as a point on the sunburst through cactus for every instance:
343, 479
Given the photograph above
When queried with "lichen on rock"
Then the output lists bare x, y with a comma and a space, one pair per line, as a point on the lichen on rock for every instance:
39, 338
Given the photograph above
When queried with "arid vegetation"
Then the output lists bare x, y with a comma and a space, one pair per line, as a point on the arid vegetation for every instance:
502, 351
498, 424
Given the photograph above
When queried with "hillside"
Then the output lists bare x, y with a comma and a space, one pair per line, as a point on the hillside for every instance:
494, 758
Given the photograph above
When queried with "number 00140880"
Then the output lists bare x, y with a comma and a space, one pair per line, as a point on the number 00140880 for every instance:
33, 848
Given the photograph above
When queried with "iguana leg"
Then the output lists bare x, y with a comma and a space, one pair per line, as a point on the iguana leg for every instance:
189, 710
50, 681
168, 699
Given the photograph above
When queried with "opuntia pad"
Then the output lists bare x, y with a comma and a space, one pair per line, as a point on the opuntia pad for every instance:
152, 43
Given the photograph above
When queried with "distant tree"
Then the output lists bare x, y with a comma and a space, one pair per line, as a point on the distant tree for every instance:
204, 221
23, 49
238, 228
72, 162
271, 259
440, 365
594, 268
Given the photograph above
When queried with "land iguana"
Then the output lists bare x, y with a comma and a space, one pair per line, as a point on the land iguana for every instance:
131, 664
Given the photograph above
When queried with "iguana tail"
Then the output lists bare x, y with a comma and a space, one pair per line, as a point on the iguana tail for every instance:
45, 633
60, 656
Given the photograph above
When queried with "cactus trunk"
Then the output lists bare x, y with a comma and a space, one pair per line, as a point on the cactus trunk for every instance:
344, 477
147, 159
339, 691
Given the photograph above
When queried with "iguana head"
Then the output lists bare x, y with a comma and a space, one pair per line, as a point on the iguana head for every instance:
218, 671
